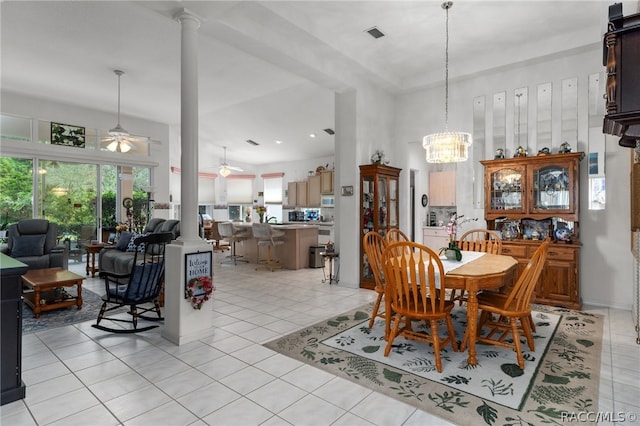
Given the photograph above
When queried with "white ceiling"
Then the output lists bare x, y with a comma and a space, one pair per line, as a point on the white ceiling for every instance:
268, 70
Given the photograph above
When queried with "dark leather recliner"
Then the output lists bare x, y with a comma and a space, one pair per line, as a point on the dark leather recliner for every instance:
35, 243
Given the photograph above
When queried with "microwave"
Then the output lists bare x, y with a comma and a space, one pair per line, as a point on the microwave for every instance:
327, 201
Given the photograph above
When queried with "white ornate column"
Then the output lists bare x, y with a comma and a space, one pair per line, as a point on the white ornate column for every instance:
182, 323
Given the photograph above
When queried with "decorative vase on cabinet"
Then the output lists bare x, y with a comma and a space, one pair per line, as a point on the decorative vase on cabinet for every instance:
378, 208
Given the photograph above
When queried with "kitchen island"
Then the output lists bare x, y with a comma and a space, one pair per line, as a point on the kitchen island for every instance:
293, 254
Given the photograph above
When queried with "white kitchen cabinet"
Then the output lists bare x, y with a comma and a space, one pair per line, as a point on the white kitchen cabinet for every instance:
435, 238
442, 188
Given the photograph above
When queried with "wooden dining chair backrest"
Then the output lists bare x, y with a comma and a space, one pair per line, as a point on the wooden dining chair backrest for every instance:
484, 240
395, 235
414, 278
519, 298
374, 245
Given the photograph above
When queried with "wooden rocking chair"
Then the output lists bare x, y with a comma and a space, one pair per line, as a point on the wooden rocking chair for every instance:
141, 286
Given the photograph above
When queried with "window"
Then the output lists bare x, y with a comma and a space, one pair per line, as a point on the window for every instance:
273, 190
239, 190
15, 128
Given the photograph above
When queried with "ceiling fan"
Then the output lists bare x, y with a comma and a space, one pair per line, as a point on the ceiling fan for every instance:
118, 139
225, 168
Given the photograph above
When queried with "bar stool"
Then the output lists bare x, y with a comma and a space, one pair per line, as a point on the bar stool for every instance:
214, 235
232, 235
265, 235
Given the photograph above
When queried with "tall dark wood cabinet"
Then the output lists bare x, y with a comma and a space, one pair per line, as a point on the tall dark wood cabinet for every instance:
621, 58
11, 386
529, 199
379, 212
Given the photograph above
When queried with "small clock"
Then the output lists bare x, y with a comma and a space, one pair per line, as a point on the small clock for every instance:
127, 202
425, 200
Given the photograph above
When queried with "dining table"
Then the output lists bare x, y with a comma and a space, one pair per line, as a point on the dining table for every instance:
477, 272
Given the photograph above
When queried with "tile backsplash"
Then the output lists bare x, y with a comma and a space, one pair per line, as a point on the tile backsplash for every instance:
442, 214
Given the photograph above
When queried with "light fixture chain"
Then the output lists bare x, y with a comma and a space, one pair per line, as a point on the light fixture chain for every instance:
446, 71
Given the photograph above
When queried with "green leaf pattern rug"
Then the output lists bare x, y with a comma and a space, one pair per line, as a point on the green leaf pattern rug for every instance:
561, 376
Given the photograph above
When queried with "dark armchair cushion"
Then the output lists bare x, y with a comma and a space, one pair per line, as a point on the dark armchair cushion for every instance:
28, 245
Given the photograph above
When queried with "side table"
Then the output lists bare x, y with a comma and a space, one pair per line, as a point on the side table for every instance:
92, 249
332, 257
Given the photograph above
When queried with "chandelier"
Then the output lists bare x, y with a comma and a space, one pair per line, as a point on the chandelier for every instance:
447, 147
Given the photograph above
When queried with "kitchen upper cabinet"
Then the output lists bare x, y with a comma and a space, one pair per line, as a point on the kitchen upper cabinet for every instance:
326, 182
301, 194
442, 188
313, 187
292, 194
297, 192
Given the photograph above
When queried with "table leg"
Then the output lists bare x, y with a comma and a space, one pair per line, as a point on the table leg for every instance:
472, 320
93, 264
79, 298
87, 269
36, 302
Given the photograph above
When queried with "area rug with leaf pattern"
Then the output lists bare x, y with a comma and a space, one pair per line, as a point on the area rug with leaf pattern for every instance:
561, 377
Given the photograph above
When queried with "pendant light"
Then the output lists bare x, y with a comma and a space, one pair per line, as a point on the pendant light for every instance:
447, 147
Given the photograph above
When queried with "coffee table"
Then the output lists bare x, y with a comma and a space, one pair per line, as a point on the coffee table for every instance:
48, 289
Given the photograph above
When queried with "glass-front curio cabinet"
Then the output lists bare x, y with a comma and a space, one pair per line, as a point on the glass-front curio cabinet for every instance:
379, 193
528, 199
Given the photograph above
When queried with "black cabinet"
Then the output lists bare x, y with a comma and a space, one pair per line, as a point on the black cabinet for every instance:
621, 57
11, 384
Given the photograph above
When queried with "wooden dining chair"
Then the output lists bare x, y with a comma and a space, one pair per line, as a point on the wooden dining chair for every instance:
395, 235
374, 245
481, 240
511, 308
414, 278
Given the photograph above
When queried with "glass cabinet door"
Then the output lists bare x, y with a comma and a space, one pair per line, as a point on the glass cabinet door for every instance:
551, 189
393, 203
368, 204
382, 205
506, 188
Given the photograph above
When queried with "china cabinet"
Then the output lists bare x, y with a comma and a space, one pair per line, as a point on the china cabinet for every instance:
378, 208
529, 199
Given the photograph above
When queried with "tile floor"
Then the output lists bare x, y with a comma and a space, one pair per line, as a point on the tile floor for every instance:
77, 375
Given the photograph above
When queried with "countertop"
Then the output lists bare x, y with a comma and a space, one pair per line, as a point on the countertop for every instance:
290, 225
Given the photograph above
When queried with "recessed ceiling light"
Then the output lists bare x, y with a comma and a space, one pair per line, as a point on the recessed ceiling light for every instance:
278, 142
312, 135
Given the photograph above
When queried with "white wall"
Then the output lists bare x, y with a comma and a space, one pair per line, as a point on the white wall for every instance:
606, 262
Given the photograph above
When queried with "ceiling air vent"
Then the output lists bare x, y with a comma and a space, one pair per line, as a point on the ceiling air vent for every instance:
252, 142
330, 131
375, 32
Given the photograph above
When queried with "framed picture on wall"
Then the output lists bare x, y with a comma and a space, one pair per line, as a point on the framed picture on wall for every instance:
67, 135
